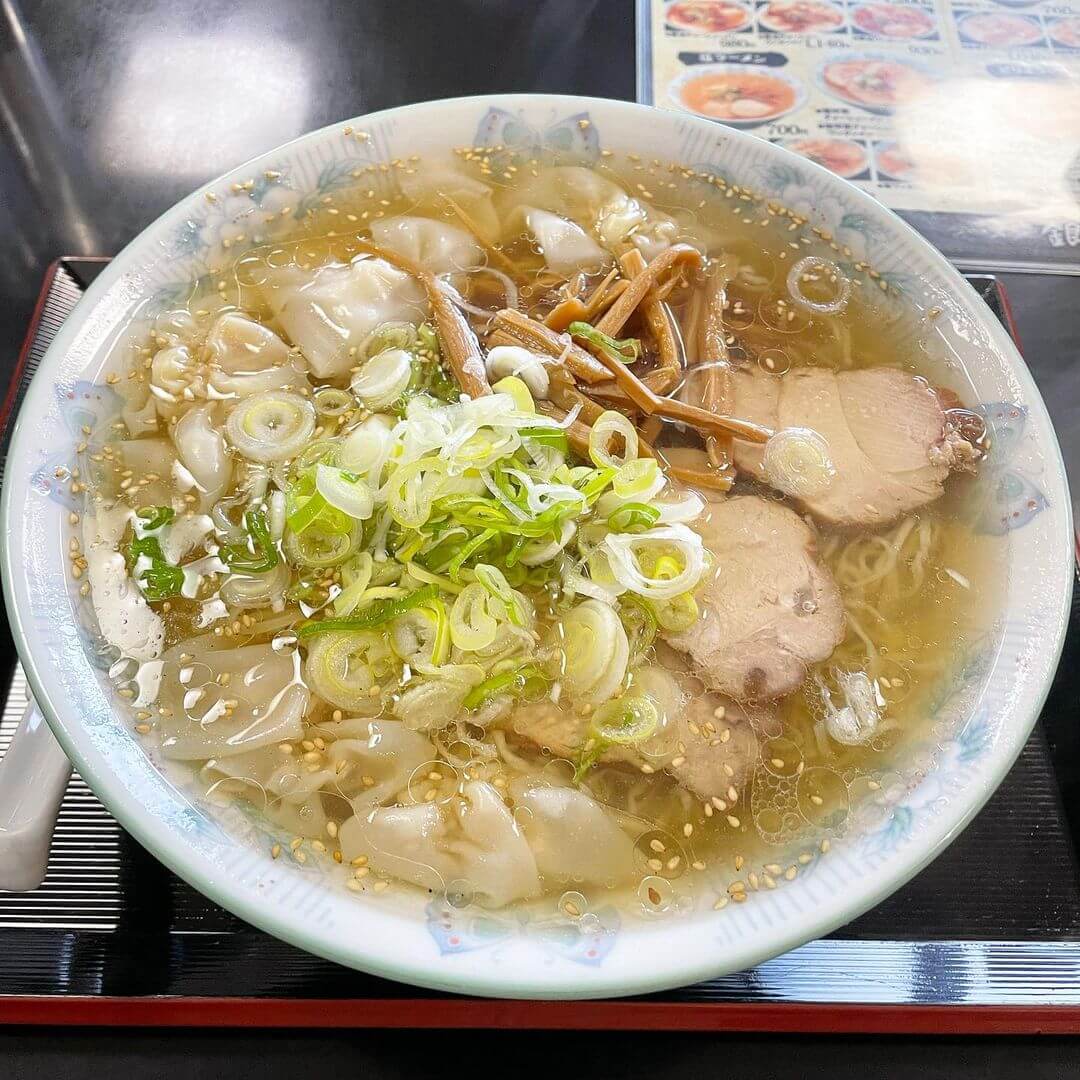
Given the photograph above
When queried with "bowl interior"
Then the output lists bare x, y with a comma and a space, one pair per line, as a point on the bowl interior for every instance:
226, 853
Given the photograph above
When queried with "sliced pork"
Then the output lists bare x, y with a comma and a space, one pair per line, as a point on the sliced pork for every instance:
770, 608
887, 432
710, 751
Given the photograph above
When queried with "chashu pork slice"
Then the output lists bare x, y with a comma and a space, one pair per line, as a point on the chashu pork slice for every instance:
711, 752
769, 609
887, 432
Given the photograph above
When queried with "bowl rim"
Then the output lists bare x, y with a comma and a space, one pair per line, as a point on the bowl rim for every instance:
683, 969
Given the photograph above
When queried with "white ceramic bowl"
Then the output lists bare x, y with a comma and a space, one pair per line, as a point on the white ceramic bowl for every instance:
992, 703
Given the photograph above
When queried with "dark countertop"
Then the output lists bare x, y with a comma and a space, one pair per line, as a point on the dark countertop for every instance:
113, 109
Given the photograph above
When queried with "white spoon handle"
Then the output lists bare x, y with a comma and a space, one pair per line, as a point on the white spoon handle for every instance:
33, 776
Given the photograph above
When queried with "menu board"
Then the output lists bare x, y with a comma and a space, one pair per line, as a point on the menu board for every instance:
963, 115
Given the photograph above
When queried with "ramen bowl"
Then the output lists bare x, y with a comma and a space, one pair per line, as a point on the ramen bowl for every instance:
989, 702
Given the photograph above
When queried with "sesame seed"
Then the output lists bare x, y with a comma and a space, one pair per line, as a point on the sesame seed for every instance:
353, 885
825, 845
721, 903
275, 851
657, 845
360, 860
733, 821
655, 865
381, 885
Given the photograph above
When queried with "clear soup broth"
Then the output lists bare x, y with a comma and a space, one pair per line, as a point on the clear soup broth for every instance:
557, 644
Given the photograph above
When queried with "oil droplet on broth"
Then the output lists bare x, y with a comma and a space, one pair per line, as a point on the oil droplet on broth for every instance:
823, 798
573, 904
655, 894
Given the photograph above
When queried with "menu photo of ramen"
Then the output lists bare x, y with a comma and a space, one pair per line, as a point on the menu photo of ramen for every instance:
894, 22
999, 29
891, 162
800, 17
1065, 32
845, 157
877, 83
741, 95
705, 17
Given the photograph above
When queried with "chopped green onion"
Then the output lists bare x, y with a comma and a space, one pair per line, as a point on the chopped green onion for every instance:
608, 424
422, 634
626, 351
547, 436
257, 557
161, 580
639, 621
497, 586
631, 516
626, 721
319, 546
518, 390
468, 550
152, 518
344, 668
417, 571
473, 626
527, 681
596, 484
379, 614
355, 577
677, 614
344, 491
306, 512
640, 478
